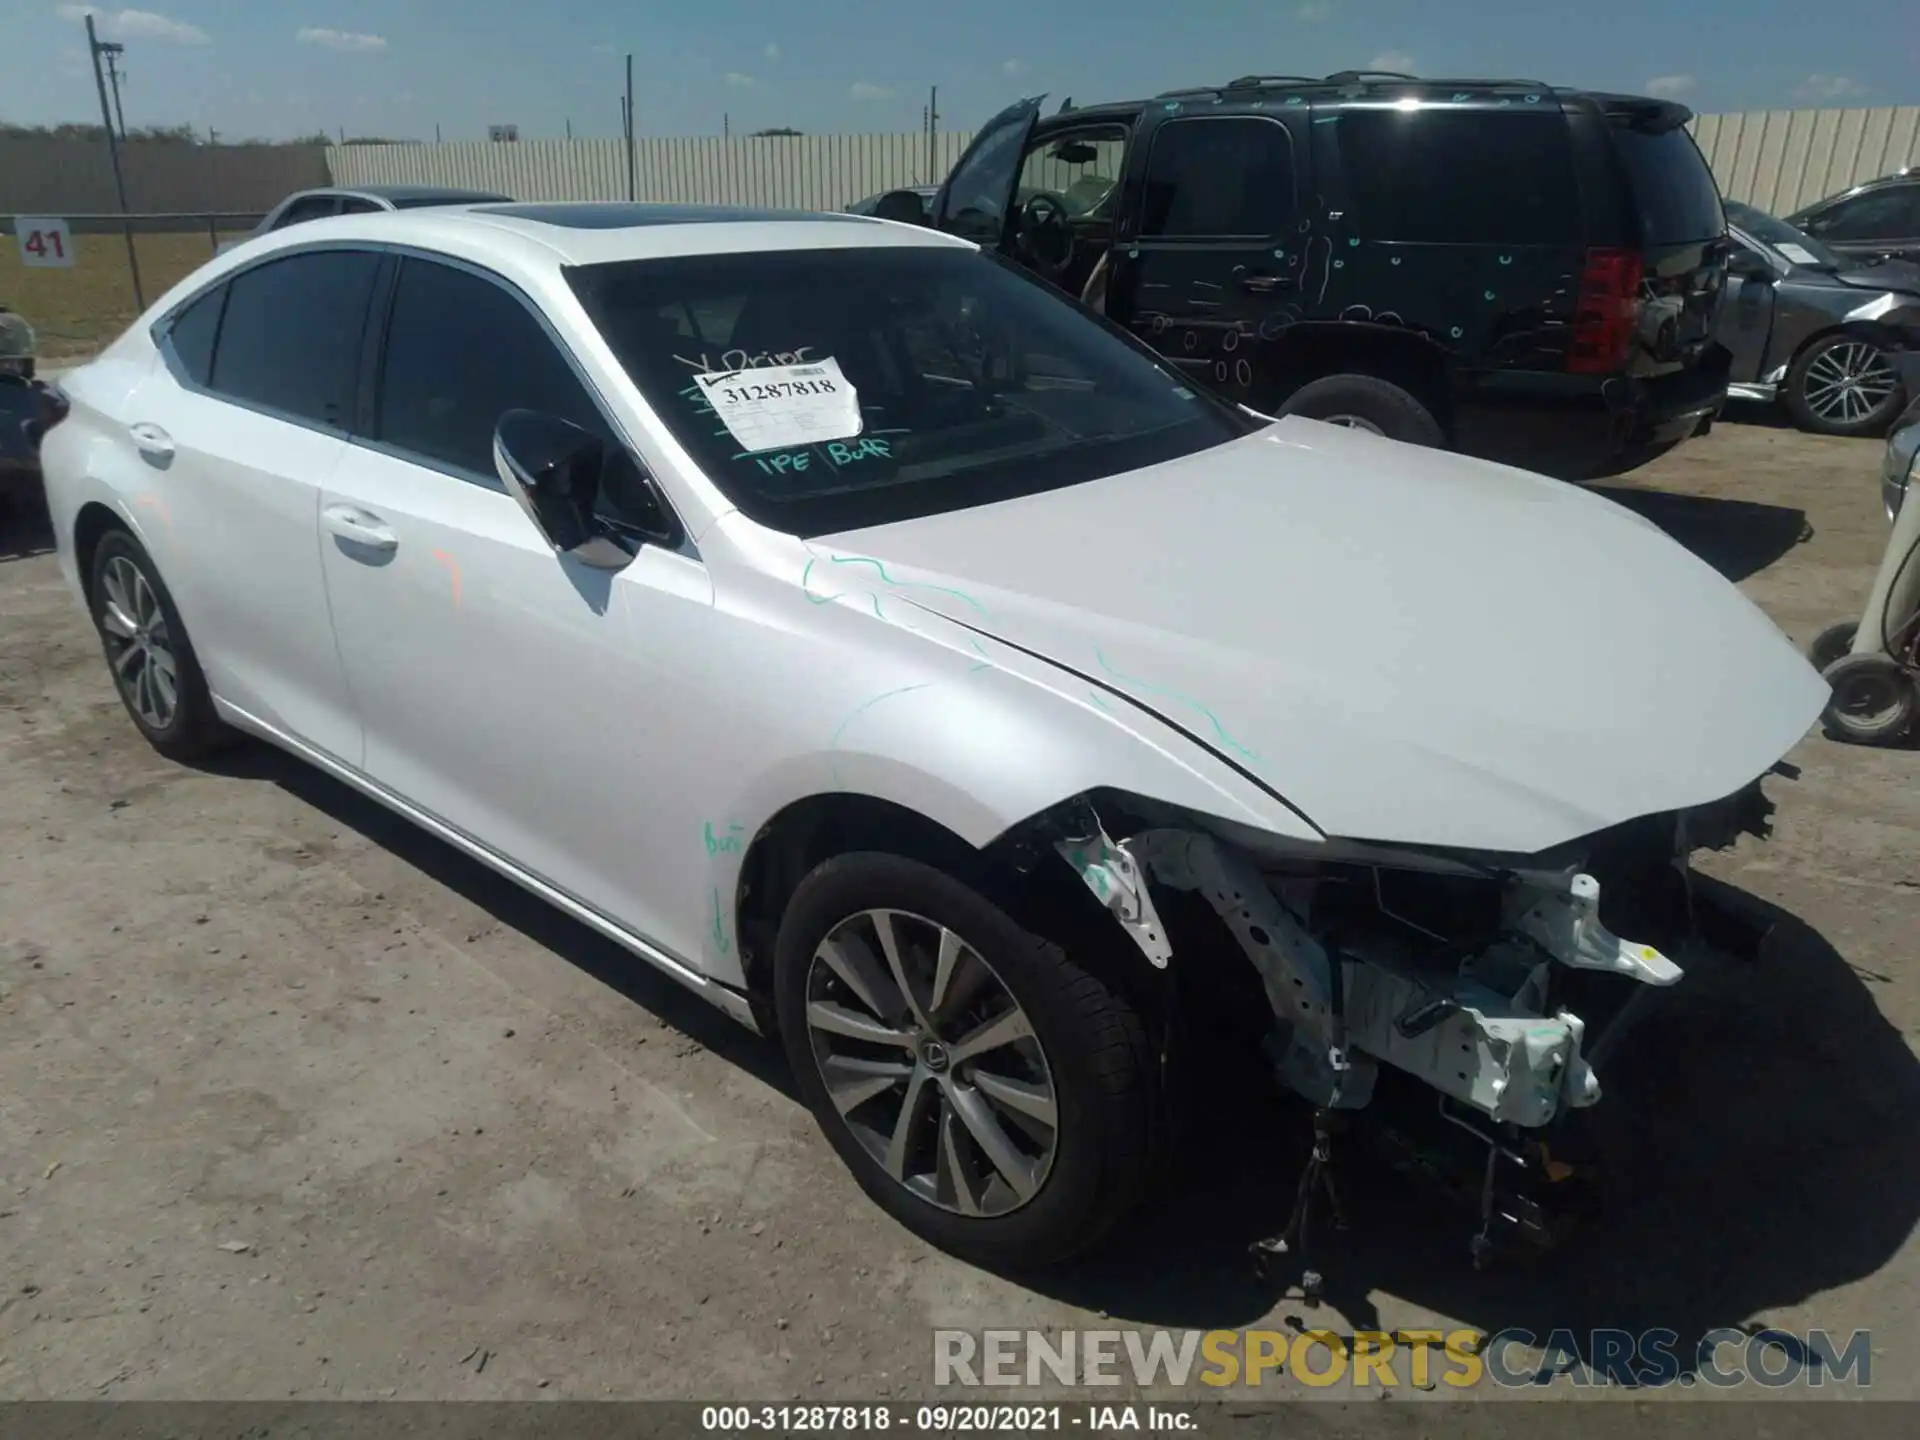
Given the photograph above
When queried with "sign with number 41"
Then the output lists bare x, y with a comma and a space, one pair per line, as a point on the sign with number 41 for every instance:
43, 241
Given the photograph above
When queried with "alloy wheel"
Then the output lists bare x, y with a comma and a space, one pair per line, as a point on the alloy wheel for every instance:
931, 1063
1848, 382
139, 643
1353, 422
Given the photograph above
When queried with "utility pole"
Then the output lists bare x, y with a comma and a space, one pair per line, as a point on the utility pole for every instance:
569, 129
436, 132
726, 125
112, 53
96, 49
633, 172
933, 129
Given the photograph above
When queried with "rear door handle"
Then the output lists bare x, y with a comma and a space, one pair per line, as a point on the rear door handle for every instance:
352, 523
151, 441
1260, 284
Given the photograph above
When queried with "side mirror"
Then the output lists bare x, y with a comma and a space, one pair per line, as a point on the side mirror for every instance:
552, 468
903, 205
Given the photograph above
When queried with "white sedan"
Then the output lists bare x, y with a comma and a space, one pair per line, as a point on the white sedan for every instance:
911, 663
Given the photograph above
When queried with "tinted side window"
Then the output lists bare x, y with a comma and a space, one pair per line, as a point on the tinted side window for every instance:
291, 336
192, 332
1220, 177
314, 207
1460, 178
353, 206
1889, 214
460, 352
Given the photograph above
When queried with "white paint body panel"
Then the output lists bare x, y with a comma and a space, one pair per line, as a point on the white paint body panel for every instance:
1408, 646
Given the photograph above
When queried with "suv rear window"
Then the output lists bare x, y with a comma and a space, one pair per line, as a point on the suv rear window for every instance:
1674, 192
1461, 177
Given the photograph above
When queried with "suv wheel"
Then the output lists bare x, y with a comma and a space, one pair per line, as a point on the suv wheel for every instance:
1843, 384
149, 654
1366, 402
985, 1090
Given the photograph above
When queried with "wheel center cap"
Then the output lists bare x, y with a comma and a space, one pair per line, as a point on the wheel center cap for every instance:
933, 1055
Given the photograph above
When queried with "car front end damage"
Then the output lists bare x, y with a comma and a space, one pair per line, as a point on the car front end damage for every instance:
1459, 1007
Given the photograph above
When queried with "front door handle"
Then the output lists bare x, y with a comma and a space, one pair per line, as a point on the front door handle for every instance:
152, 442
1259, 284
352, 523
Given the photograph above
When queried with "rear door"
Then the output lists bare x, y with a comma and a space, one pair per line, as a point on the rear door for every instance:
1879, 224
1674, 212
245, 423
976, 203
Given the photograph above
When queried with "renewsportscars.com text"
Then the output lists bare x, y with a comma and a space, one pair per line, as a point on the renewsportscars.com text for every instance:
1425, 1359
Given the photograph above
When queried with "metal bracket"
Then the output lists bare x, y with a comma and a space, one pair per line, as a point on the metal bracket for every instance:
1568, 927
1117, 881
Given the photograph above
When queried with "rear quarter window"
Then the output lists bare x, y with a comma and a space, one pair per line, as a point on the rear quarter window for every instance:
1461, 177
1675, 195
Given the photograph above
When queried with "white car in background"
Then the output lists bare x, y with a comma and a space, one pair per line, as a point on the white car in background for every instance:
878, 643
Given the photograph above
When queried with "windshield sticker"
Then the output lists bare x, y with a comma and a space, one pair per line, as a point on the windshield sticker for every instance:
781, 407
1798, 254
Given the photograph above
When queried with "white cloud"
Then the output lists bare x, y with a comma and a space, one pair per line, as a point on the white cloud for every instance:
1398, 60
772, 52
1668, 86
1829, 87
867, 90
137, 25
1314, 11
1011, 68
347, 40
737, 81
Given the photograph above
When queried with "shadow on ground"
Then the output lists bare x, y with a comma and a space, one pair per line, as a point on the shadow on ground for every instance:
515, 908
1737, 537
1758, 1127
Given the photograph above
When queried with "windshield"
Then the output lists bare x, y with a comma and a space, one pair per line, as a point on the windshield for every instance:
828, 390
1795, 244
1673, 189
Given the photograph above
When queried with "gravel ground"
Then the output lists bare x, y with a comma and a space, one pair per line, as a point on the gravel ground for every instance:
297, 1102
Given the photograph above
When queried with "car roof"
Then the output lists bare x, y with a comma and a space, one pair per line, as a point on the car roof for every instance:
402, 194
520, 239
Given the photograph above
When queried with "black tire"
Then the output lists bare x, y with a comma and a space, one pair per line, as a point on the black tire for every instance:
1097, 1053
1832, 643
189, 730
1378, 404
1846, 350
1874, 699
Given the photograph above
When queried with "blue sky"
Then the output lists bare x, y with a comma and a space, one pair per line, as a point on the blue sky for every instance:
401, 67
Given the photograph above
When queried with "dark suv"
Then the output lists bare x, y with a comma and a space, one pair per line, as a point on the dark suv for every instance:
1522, 272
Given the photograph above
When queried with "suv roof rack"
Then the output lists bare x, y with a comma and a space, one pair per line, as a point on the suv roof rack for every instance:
1189, 90
1347, 77
1248, 82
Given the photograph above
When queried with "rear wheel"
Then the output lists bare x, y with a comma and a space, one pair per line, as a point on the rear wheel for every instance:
1832, 643
1844, 384
988, 1092
1366, 402
148, 652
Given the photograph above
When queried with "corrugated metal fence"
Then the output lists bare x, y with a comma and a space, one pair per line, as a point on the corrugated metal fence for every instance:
1776, 159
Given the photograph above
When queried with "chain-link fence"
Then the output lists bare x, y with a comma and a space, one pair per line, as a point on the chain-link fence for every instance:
75, 309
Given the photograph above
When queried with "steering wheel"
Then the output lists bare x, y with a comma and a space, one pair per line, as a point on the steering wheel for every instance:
1045, 233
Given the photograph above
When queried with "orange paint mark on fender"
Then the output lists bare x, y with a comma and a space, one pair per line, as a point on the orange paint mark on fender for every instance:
453, 572
154, 503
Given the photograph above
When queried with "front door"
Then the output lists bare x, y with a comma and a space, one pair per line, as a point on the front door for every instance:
1066, 202
537, 704
1745, 319
1214, 263
976, 203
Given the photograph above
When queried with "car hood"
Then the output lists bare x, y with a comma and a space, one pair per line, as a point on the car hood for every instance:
1900, 275
1407, 645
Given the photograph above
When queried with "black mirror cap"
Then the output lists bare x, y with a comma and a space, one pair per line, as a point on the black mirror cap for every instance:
552, 468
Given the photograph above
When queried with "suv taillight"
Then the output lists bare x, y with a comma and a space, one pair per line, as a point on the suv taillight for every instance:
1607, 312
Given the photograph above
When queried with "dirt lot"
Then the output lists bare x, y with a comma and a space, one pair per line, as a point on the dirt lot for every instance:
76, 310
294, 1101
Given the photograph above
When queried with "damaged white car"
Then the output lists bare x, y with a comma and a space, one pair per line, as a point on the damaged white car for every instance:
908, 661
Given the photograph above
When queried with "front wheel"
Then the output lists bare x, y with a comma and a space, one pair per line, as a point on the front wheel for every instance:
1844, 385
987, 1091
1874, 699
1366, 402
